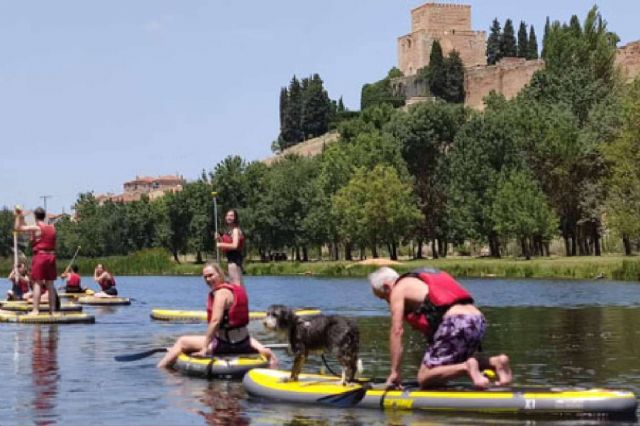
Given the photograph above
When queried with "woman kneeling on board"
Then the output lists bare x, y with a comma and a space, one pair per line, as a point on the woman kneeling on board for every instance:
228, 316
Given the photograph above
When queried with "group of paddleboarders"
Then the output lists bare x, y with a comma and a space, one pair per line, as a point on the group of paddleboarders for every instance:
431, 301
37, 286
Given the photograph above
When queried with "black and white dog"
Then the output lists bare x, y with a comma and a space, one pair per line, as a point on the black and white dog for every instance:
331, 333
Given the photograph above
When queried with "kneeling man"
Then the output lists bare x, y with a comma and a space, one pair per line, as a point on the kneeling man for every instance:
435, 304
228, 317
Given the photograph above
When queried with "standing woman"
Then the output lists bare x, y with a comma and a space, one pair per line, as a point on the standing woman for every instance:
43, 263
231, 244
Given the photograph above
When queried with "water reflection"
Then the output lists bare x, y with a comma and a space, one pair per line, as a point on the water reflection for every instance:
223, 402
44, 373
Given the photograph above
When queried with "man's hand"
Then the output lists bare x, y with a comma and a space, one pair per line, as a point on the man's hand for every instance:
394, 381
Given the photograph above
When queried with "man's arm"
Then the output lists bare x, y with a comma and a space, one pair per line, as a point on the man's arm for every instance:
20, 226
396, 305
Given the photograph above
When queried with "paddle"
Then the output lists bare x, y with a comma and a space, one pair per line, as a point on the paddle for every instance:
66, 270
141, 355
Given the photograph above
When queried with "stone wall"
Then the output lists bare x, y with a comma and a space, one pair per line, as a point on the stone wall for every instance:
507, 77
628, 58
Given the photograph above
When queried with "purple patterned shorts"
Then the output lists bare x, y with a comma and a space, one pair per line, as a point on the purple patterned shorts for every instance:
457, 338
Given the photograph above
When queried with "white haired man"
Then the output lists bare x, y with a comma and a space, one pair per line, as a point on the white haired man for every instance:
435, 304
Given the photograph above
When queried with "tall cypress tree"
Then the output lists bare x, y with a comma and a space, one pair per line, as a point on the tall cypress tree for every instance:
493, 43
545, 36
436, 73
523, 41
292, 133
316, 107
533, 44
508, 46
453, 90
284, 98
574, 25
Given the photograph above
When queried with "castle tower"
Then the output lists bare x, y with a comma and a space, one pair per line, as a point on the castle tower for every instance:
450, 24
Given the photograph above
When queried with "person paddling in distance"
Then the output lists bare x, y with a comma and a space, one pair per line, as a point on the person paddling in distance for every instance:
43, 263
106, 281
432, 302
228, 317
19, 283
231, 244
73, 279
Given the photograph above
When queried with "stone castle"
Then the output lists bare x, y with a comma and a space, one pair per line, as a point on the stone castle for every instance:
450, 24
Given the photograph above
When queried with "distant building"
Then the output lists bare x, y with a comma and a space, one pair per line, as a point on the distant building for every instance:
152, 187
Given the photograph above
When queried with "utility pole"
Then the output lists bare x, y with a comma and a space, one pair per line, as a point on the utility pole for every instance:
44, 199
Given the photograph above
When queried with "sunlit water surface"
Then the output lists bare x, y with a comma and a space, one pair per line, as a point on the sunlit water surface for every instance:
569, 333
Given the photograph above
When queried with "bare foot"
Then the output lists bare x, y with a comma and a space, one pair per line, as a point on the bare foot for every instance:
34, 312
501, 364
476, 376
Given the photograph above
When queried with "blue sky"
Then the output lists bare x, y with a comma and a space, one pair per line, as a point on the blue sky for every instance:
93, 93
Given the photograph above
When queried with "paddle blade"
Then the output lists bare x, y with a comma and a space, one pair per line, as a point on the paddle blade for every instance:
345, 399
139, 355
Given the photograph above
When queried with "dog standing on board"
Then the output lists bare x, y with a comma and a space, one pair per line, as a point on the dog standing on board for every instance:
330, 333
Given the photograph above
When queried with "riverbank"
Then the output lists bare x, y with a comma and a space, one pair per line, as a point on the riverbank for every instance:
158, 262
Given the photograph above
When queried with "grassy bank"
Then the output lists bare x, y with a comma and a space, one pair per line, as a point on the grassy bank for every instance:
158, 262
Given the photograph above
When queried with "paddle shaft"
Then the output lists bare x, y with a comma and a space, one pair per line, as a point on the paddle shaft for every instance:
215, 225
145, 354
15, 251
72, 259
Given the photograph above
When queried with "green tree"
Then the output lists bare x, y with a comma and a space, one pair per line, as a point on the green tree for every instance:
494, 51
426, 133
6, 230
520, 210
533, 44
623, 154
375, 207
523, 41
315, 107
453, 90
436, 73
545, 36
508, 46
381, 92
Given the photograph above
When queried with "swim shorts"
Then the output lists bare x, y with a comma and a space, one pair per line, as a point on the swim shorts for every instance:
457, 338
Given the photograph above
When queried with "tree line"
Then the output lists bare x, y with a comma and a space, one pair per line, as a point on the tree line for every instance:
560, 160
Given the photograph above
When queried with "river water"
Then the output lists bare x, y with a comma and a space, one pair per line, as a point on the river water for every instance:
569, 333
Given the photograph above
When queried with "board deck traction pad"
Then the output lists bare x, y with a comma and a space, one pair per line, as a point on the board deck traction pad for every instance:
312, 388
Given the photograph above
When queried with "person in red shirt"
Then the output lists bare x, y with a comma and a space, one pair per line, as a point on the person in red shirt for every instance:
106, 281
228, 316
20, 283
231, 243
436, 305
73, 280
43, 262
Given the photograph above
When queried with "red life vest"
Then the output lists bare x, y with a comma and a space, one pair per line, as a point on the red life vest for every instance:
23, 284
228, 238
107, 283
238, 314
47, 239
73, 280
444, 292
